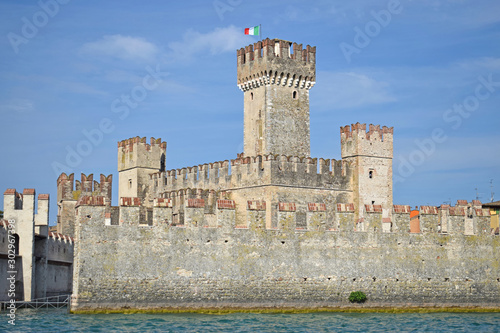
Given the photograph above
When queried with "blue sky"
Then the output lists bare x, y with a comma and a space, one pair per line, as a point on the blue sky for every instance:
429, 68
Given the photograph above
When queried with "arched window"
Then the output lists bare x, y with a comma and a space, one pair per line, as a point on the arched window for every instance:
251, 96
294, 94
370, 174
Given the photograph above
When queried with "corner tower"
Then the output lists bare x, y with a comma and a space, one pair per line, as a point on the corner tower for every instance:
136, 161
370, 156
275, 76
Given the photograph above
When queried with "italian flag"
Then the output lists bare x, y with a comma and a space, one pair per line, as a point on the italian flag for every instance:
252, 31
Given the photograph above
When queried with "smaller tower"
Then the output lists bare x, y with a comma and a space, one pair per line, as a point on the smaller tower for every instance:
370, 156
67, 196
68, 193
30, 232
136, 161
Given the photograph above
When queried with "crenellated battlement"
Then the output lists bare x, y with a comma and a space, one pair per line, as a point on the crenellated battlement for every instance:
15, 199
401, 209
275, 61
136, 160
464, 218
136, 153
60, 249
197, 208
276, 48
129, 144
431, 210
29, 214
376, 142
70, 189
23, 204
130, 201
255, 170
57, 237
71, 193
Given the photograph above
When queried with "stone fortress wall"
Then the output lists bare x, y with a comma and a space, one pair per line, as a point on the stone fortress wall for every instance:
204, 263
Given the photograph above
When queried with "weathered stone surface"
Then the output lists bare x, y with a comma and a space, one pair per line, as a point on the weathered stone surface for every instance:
167, 266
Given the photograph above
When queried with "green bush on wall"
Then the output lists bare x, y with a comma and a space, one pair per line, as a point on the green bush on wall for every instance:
357, 297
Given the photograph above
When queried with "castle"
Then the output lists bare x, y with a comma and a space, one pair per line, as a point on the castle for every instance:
275, 169
273, 227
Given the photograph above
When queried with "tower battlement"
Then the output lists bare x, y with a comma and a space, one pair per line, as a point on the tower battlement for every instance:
135, 152
15, 201
71, 192
275, 61
21, 208
70, 189
376, 142
136, 160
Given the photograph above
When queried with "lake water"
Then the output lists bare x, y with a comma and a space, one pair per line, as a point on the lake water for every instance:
28, 320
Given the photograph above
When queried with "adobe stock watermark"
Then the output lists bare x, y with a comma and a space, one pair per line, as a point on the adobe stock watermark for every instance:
363, 37
121, 107
30, 28
223, 6
11, 272
454, 116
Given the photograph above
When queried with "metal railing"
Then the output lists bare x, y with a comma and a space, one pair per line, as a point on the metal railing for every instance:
52, 302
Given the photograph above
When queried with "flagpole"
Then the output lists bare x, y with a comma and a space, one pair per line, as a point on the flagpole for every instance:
260, 30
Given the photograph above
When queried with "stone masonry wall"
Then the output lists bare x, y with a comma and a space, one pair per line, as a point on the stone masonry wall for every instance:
59, 264
203, 266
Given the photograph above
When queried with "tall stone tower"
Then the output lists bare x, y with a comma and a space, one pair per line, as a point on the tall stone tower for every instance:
370, 156
275, 76
136, 161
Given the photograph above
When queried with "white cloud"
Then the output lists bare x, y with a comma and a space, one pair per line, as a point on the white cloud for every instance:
215, 42
349, 90
17, 105
478, 64
59, 84
122, 47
